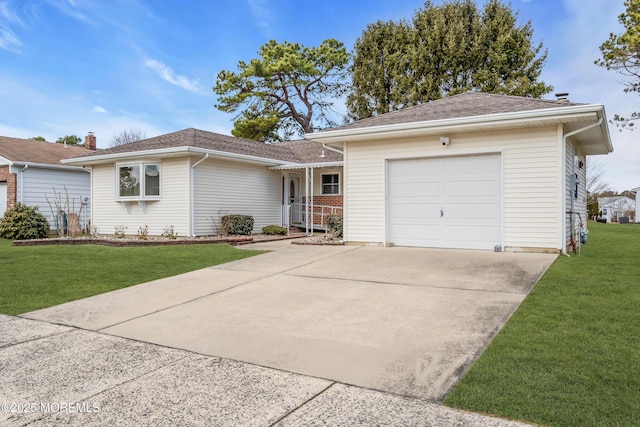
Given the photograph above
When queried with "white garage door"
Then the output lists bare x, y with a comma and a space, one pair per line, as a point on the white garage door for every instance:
451, 202
3, 198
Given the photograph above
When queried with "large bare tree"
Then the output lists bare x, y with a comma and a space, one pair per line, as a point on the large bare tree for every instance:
127, 136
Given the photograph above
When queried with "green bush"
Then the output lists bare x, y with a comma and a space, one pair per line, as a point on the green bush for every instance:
237, 224
274, 230
23, 222
334, 224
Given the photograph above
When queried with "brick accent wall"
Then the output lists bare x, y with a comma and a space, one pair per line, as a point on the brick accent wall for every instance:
12, 187
328, 200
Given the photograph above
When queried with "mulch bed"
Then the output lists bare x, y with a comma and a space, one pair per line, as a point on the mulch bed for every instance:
128, 242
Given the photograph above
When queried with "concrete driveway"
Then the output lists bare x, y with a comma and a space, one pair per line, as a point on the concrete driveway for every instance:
402, 320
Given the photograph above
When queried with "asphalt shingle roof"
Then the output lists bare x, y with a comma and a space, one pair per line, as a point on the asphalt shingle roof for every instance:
29, 151
301, 151
467, 104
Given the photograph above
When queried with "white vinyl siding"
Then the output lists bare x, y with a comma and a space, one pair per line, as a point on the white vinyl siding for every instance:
229, 187
171, 209
531, 173
573, 156
34, 183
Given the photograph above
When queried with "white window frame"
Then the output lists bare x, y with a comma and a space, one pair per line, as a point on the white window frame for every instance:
322, 184
142, 195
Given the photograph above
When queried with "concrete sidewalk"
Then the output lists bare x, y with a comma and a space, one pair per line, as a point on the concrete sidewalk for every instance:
61, 375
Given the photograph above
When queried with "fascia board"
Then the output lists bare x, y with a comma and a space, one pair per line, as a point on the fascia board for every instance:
168, 151
524, 118
48, 166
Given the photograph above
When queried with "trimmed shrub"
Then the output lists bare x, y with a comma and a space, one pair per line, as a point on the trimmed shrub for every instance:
237, 224
23, 222
334, 224
274, 230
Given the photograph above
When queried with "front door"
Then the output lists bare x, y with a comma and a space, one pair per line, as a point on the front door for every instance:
293, 198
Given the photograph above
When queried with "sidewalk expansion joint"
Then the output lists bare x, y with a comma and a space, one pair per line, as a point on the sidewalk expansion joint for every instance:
275, 423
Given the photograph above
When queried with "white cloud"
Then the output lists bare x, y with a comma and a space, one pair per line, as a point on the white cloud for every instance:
99, 109
9, 41
72, 8
167, 74
262, 14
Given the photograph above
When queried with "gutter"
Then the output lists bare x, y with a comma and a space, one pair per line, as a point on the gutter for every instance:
192, 191
559, 113
173, 150
48, 166
564, 181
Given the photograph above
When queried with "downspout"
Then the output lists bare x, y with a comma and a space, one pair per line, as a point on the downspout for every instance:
325, 146
22, 183
192, 192
564, 182
86, 225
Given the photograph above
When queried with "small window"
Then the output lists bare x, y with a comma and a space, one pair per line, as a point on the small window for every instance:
152, 180
134, 185
331, 183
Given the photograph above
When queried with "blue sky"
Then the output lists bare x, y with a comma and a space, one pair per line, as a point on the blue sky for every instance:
73, 66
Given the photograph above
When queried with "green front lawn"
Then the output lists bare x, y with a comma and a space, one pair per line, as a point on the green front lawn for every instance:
34, 277
570, 355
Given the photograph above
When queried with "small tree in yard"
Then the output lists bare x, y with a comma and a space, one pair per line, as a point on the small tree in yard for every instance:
63, 211
23, 222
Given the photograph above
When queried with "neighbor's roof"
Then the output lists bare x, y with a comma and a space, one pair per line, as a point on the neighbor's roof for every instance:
209, 142
23, 151
467, 104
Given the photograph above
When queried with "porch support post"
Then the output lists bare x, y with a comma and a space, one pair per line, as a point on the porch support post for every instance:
306, 200
311, 197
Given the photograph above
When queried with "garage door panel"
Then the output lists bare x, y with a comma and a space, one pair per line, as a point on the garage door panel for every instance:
415, 213
453, 202
471, 188
473, 212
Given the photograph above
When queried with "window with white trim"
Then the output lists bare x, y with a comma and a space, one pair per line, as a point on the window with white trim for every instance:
331, 183
138, 181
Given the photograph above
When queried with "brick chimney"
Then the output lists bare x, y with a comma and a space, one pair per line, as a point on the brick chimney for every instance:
90, 141
562, 97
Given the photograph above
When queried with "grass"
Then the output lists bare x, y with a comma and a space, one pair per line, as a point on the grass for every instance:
34, 277
570, 355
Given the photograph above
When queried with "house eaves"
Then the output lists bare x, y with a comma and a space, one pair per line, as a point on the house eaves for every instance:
46, 166
172, 152
308, 165
570, 116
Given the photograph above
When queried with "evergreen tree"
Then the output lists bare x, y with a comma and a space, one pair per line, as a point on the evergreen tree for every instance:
446, 49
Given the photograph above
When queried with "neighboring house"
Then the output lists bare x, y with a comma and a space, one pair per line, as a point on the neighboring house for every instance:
614, 207
189, 179
30, 170
475, 170
636, 191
